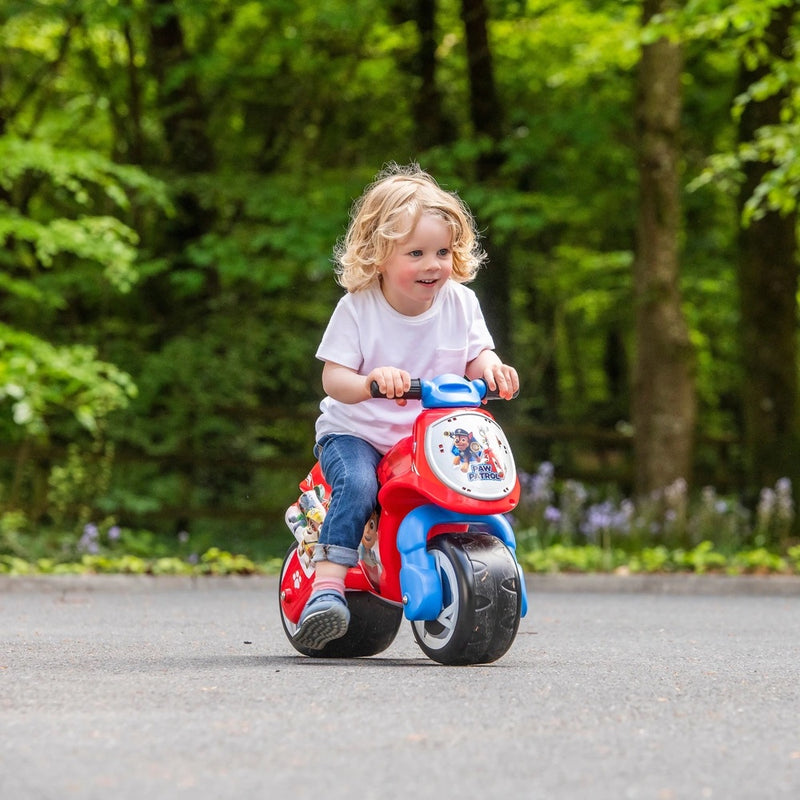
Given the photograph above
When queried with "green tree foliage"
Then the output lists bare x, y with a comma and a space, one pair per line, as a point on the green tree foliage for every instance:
52, 243
175, 174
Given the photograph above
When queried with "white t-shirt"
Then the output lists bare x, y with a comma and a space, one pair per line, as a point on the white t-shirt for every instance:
365, 332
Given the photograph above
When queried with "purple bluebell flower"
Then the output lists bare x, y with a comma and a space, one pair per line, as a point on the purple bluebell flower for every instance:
538, 487
552, 514
785, 502
88, 543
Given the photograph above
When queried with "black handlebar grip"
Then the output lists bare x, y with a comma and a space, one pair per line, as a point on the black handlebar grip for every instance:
414, 393
495, 394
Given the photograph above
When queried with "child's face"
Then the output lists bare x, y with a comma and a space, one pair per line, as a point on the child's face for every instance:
418, 266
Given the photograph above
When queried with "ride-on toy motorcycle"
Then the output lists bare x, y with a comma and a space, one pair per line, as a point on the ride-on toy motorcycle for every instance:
438, 550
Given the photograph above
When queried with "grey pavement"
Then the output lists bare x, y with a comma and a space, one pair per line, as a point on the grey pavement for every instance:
616, 687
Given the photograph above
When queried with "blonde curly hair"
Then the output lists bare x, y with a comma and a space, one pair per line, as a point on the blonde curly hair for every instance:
388, 211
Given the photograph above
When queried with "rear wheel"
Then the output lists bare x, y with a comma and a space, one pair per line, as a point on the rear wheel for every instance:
482, 600
374, 623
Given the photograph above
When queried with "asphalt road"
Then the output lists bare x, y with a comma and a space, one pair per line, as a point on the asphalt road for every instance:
163, 688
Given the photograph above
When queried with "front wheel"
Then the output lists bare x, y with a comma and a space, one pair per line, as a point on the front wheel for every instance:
482, 600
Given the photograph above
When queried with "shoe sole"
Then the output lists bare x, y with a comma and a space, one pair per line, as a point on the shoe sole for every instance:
322, 627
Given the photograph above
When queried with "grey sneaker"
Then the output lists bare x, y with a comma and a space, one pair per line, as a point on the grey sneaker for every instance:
325, 618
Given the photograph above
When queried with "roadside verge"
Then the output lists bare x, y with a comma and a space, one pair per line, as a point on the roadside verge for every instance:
537, 583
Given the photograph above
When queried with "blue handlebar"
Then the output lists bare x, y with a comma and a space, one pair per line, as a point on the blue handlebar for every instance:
452, 391
443, 391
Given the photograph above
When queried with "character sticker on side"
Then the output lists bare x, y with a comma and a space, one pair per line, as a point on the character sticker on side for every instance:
368, 550
305, 518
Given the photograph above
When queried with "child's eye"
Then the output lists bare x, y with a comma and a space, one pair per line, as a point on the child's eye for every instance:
444, 251
416, 253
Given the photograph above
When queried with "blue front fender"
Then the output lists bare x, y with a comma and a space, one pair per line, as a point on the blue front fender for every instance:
419, 580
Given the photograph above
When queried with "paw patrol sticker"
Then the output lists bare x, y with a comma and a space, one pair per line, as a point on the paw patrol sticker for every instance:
305, 518
470, 453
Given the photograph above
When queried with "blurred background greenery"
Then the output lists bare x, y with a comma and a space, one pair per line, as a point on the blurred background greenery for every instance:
174, 175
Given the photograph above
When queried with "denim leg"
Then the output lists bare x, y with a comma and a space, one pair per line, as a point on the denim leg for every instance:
348, 464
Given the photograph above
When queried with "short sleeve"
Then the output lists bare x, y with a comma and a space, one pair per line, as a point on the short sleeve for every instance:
341, 340
478, 336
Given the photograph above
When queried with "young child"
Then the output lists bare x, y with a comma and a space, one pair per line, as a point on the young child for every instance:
409, 250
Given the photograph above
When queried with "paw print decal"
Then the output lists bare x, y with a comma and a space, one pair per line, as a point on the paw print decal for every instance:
297, 578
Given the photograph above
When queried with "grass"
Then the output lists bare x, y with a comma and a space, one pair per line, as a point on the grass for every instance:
213, 562
561, 526
704, 558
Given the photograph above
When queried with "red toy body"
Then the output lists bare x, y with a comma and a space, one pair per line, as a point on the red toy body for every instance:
449, 483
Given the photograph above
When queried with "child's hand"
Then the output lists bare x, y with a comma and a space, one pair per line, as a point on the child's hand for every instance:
503, 379
391, 381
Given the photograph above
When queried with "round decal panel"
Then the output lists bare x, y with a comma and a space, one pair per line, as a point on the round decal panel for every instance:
469, 453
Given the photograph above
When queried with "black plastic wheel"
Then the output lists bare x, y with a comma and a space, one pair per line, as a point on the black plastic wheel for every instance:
482, 600
374, 623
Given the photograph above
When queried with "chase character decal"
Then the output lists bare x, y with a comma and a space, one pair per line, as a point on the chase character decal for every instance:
466, 448
474, 455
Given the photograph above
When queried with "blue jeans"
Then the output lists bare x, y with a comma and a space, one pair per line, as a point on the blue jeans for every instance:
348, 464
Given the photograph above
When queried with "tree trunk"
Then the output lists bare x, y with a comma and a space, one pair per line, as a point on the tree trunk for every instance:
430, 126
664, 400
134, 132
768, 282
184, 118
183, 113
487, 122
484, 102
